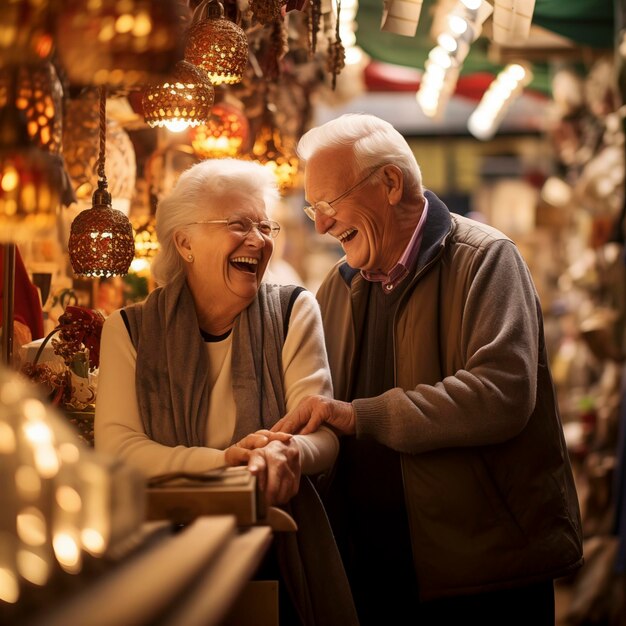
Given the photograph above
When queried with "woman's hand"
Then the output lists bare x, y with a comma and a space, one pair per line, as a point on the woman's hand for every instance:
313, 411
239, 453
277, 468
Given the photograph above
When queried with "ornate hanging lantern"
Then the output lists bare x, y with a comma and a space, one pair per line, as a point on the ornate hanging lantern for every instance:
30, 178
273, 152
120, 43
101, 239
80, 141
183, 101
223, 135
216, 45
36, 91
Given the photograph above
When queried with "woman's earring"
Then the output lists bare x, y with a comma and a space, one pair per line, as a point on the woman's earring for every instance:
190, 258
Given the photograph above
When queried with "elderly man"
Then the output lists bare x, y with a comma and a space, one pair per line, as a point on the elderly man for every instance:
453, 495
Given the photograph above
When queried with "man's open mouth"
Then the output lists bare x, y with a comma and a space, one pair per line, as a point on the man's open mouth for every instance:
347, 235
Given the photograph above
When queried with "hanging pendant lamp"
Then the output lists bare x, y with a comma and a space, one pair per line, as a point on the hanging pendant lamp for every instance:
216, 45
101, 242
274, 152
120, 43
184, 100
223, 134
30, 177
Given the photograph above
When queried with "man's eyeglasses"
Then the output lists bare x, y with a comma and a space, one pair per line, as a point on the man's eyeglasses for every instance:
326, 208
243, 225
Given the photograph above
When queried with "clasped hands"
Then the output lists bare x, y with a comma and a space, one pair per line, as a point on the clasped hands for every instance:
274, 457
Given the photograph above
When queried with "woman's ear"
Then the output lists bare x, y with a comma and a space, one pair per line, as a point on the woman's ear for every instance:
394, 182
182, 241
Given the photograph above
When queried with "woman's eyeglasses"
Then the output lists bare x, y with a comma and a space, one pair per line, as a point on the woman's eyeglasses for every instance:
243, 225
326, 208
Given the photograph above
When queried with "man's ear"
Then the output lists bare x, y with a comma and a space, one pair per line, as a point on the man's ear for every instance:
182, 241
394, 182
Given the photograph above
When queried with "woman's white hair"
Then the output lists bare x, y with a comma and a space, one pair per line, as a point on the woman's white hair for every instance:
373, 141
199, 191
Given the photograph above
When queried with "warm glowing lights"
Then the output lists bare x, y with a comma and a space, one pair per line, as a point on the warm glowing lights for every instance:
93, 541
31, 527
462, 26
69, 453
67, 552
217, 45
223, 135
38, 433
496, 101
29, 192
68, 499
146, 242
270, 150
7, 439
115, 42
9, 588
181, 102
27, 482
64, 501
33, 567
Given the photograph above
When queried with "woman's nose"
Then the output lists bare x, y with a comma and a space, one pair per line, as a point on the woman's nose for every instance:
255, 238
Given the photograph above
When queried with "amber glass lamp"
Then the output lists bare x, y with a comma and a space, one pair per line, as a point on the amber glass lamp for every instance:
223, 135
271, 150
101, 242
36, 92
216, 45
123, 43
30, 179
183, 101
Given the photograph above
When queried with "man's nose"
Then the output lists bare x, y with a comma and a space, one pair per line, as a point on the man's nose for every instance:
323, 222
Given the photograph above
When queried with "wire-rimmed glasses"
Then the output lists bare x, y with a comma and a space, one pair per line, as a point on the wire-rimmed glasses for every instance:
241, 226
326, 208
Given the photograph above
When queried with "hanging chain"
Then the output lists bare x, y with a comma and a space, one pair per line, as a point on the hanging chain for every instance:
103, 133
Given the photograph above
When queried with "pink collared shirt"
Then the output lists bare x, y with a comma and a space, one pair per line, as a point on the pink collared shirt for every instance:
399, 271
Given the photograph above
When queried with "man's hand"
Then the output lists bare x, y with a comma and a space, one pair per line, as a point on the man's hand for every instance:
239, 453
313, 411
277, 468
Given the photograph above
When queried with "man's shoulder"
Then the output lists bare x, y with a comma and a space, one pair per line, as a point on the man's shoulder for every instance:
475, 234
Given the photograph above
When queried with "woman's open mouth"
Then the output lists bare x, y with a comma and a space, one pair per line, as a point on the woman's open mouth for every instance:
245, 264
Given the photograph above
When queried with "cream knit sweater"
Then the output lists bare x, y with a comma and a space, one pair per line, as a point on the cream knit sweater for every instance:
118, 426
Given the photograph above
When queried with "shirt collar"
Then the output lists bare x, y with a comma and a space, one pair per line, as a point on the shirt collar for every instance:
400, 270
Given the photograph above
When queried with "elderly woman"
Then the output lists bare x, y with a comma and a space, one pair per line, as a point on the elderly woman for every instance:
215, 354
194, 377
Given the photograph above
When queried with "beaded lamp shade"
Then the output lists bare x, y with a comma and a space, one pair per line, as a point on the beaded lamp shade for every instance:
123, 43
101, 239
216, 45
26, 29
223, 135
36, 91
80, 145
270, 150
184, 100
